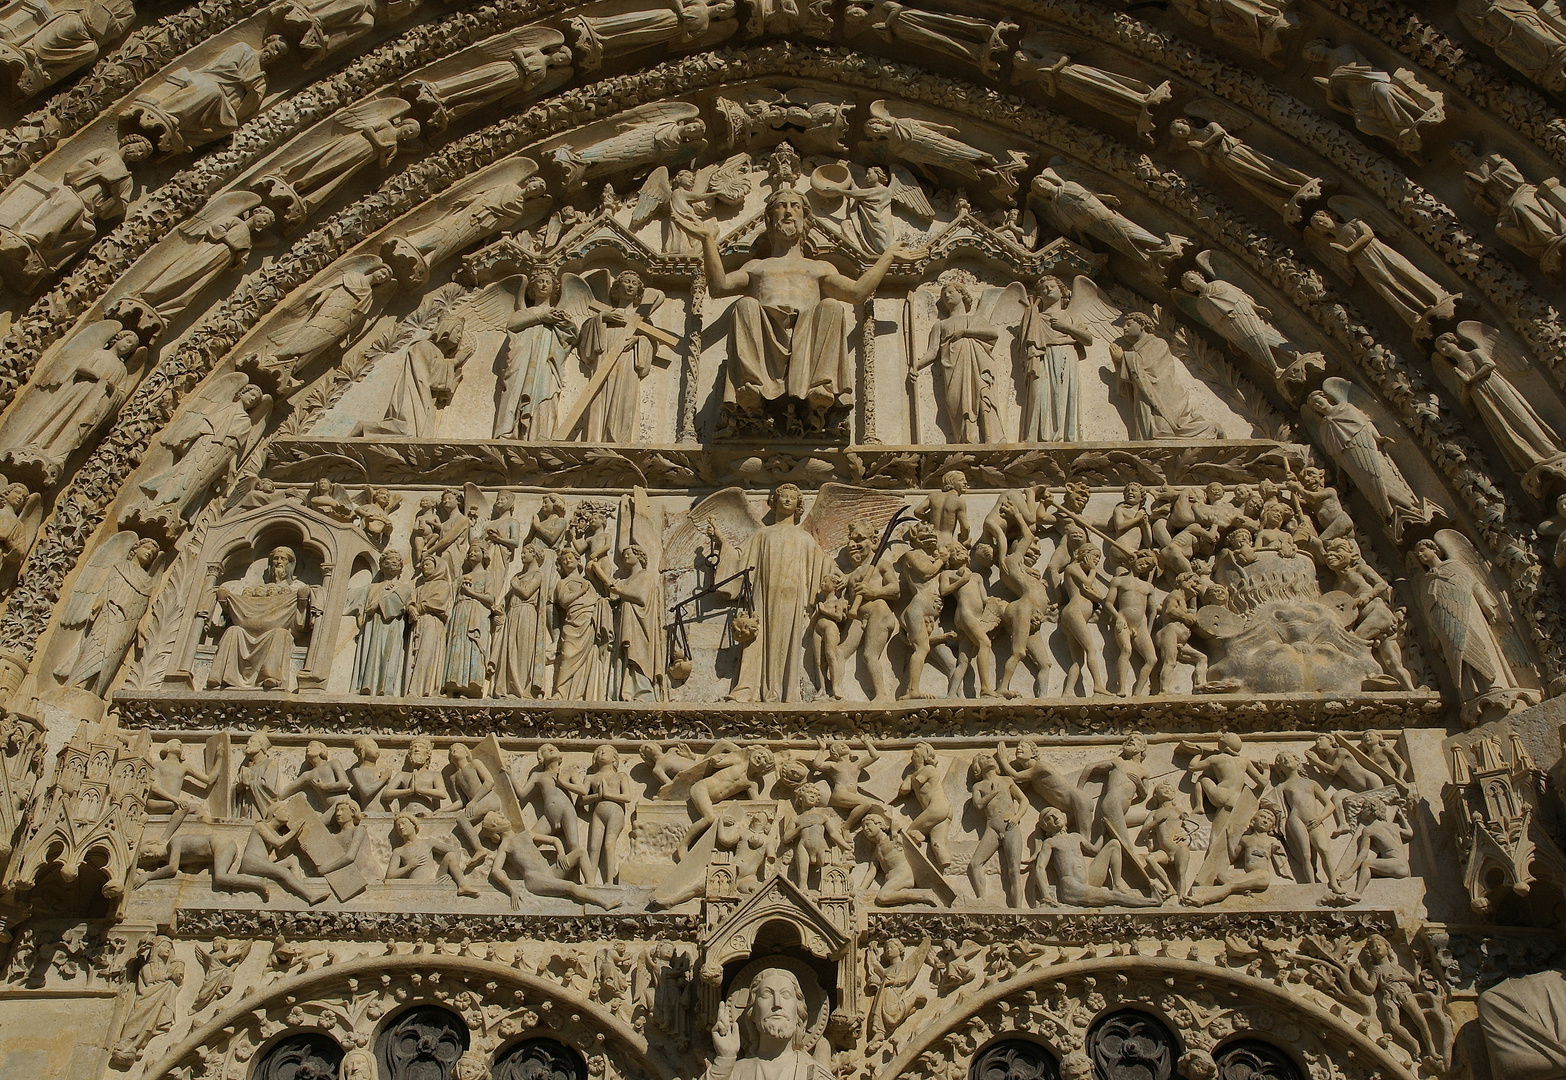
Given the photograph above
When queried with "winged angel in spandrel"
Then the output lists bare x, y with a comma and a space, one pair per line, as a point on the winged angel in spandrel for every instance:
689, 196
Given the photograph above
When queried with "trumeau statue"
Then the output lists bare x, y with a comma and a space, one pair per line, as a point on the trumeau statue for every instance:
40, 44
192, 107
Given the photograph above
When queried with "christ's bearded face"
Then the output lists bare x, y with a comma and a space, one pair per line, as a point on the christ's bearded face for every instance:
786, 217
775, 1004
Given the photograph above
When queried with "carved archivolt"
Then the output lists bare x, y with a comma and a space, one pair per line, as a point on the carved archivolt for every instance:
751, 471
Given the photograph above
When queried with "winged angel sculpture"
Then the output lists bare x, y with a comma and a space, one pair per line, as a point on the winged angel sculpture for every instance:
1216, 297
371, 132
506, 66
216, 239
869, 199
1472, 624
110, 597
1475, 363
328, 313
902, 132
1344, 420
81, 385
688, 197
607, 320
964, 340
776, 568
541, 313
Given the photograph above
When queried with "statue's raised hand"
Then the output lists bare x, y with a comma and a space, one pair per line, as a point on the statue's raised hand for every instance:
726, 1033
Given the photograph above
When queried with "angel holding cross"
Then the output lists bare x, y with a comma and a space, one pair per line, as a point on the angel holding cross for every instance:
614, 341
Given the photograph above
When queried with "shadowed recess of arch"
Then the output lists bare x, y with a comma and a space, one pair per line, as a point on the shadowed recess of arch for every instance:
309, 1056
1015, 1059
423, 1043
539, 1059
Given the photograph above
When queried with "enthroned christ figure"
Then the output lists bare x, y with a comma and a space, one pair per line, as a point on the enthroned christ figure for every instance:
790, 345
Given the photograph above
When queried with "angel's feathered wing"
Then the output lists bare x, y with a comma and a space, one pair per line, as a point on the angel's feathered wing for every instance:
89, 585
1495, 344
655, 194
492, 306
838, 506
728, 509
1090, 309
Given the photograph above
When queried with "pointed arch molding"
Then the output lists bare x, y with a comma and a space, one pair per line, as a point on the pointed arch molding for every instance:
1205, 1005
1475, 487
505, 1001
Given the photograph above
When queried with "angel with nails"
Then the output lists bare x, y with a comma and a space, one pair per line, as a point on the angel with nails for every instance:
1052, 341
